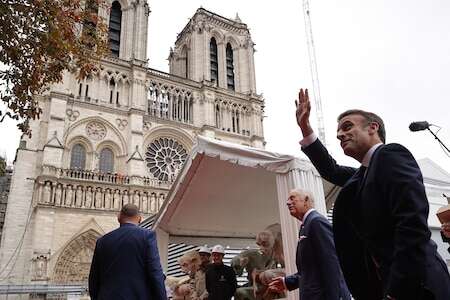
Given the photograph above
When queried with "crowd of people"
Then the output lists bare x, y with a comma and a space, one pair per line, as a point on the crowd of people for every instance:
378, 247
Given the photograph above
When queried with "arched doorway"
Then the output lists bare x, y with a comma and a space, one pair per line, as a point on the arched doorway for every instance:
74, 262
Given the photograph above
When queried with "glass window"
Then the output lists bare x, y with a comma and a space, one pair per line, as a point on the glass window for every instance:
106, 161
78, 157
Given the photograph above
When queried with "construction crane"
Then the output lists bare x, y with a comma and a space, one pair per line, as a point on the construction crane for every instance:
314, 73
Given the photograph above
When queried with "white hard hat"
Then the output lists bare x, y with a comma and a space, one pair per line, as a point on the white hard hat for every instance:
204, 249
218, 249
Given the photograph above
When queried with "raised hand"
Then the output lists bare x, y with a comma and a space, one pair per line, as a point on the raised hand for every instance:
303, 107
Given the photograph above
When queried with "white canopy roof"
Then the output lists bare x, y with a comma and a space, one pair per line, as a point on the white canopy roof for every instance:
226, 191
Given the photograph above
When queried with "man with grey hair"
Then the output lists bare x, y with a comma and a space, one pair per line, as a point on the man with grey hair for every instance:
126, 262
319, 275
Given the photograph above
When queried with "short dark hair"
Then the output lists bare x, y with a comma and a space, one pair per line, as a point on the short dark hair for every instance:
369, 117
129, 210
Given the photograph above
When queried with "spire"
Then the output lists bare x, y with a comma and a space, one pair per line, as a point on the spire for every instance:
237, 19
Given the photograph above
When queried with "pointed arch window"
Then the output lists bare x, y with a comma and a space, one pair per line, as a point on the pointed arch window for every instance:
230, 67
213, 60
78, 157
106, 164
115, 26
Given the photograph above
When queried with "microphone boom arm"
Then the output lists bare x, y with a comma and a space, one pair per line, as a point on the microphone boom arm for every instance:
440, 142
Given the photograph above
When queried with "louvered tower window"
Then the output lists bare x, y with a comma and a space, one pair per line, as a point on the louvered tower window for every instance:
230, 67
213, 60
115, 24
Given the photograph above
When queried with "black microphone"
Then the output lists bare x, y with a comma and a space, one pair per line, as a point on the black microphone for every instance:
418, 126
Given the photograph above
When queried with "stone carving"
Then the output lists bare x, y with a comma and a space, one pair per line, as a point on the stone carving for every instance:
96, 130
58, 195
47, 192
146, 126
117, 200
192, 287
76, 195
74, 262
262, 265
98, 198
126, 198
249, 260
88, 200
69, 196
107, 199
79, 196
153, 204
121, 123
39, 266
72, 115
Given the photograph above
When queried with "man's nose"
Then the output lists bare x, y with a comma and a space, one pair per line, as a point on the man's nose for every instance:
340, 135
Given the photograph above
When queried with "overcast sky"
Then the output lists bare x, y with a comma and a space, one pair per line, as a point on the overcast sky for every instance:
391, 57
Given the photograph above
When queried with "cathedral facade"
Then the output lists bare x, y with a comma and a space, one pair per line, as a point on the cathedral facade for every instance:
121, 135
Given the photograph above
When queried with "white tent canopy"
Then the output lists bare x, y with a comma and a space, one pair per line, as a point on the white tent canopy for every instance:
226, 193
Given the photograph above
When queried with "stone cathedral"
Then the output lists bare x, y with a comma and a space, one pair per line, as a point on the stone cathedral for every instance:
121, 135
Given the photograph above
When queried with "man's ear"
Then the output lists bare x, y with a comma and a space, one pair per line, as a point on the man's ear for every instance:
373, 127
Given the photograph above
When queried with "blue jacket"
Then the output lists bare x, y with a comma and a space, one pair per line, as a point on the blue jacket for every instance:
319, 275
126, 266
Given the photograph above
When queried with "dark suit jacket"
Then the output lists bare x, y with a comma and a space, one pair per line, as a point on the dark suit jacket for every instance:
126, 266
380, 226
319, 275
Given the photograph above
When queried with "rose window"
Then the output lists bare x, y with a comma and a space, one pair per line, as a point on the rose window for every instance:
164, 158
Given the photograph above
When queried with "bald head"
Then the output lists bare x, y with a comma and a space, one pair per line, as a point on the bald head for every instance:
129, 214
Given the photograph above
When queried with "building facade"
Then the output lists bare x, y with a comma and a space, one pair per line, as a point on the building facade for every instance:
121, 135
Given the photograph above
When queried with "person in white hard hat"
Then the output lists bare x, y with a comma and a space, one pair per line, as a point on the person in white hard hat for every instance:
205, 256
221, 281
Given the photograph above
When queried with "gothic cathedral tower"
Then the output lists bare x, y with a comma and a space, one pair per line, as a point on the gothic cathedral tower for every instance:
121, 135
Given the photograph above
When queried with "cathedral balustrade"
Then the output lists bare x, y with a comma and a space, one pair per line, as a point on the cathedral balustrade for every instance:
110, 178
90, 196
93, 190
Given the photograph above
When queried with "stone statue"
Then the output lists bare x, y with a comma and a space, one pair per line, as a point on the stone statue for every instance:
88, 200
261, 265
144, 204
98, 198
195, 287
126, 198
262, 280
79, 196
136, 199
277, 252
58, 195
117, 200
249, 260
108, 199
69, 196
153, 208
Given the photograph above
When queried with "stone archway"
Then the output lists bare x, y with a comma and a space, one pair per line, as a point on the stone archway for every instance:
74, 262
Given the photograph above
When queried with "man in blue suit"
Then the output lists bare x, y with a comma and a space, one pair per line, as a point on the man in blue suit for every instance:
380, 215
319, 275
126, 262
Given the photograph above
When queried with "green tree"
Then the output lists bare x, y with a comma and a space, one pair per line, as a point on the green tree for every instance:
39, 40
